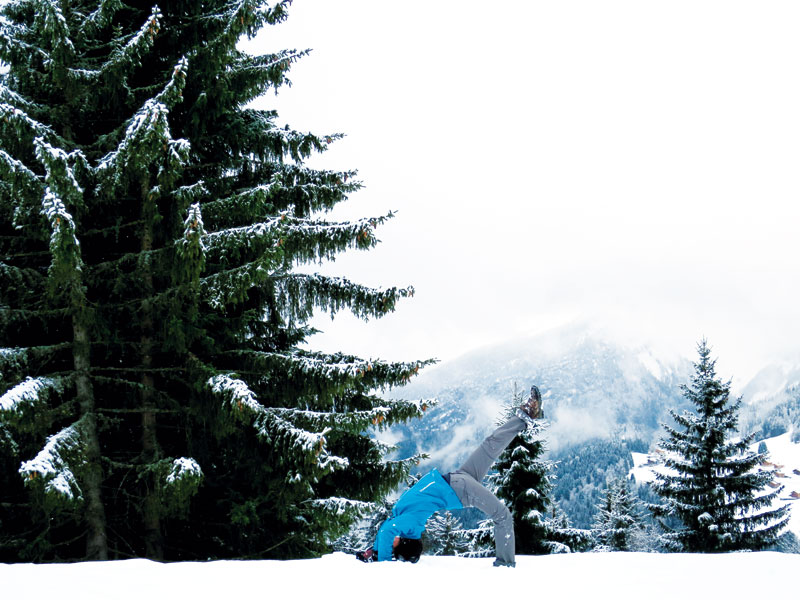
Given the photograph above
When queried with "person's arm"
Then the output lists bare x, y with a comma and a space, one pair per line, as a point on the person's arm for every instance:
385, 539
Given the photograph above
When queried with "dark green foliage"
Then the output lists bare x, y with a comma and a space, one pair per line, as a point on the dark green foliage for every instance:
151, 314
715, 488
523, 480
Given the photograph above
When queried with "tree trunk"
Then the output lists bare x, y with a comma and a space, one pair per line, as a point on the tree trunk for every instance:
97, 542
154, 547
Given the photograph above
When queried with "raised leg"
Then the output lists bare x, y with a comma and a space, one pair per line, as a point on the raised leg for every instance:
482, 459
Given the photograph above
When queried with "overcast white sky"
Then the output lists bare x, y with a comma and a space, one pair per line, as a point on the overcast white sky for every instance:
631, 161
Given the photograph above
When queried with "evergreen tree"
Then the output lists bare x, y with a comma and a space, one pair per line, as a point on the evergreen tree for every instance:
714, 487
479, 540
523, 480
444, 535
363, 532
618, 518
151, 309
563, 536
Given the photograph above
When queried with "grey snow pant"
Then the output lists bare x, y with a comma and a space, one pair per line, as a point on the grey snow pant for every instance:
466, 483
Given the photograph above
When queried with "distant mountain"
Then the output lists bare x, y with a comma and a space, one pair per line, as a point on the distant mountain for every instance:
771, 382
771, 402
592, 388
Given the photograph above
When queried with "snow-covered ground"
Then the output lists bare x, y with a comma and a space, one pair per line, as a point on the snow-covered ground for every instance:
784, 460
616, 576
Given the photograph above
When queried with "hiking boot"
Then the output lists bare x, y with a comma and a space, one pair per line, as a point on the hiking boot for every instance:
501, 563
532, 408
367, 555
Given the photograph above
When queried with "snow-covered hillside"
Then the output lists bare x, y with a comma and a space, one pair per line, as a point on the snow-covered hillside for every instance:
784, 460
599, 576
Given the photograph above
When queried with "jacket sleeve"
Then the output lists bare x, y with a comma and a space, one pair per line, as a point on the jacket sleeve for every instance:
385, 539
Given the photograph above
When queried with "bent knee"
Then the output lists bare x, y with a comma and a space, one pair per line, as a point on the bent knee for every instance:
501, 514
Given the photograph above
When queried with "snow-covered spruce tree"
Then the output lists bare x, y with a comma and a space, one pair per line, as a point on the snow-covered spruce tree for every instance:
522, 479
151, 312
444, 536
618, 518
479, 541
714, 488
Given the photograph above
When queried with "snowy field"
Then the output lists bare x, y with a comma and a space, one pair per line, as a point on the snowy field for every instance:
596, 576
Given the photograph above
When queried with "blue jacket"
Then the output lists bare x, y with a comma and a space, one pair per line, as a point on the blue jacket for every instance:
413, 509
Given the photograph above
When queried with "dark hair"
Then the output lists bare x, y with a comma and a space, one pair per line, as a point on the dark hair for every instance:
408, 550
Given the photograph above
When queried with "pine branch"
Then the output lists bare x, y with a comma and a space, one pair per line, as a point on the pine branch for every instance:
299, 294
252, 75
30, 393
125, 58
100, 17
50, 470
15, 122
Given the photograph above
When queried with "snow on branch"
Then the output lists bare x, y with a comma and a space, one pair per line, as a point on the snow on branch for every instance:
191, 248
60, 169
101, 16
128, 56
9, 96
254, 74
19, 360
269, 426
231, 286
306, 240
299, 294
30, 392
17, 172
173, 91
51, 466
310, 371
270, 141
241, 206
183, 468
13, 47
64, 244
236, 393
51, 22
147, 138
11, 358
24, 125
272, 427
341, 506
246, 17
300, 240
182, 481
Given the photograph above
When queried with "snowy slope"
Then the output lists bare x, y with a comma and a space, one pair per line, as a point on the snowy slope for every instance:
598, 576
784, 460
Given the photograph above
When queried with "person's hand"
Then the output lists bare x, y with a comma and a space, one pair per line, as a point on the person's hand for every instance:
367, 555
